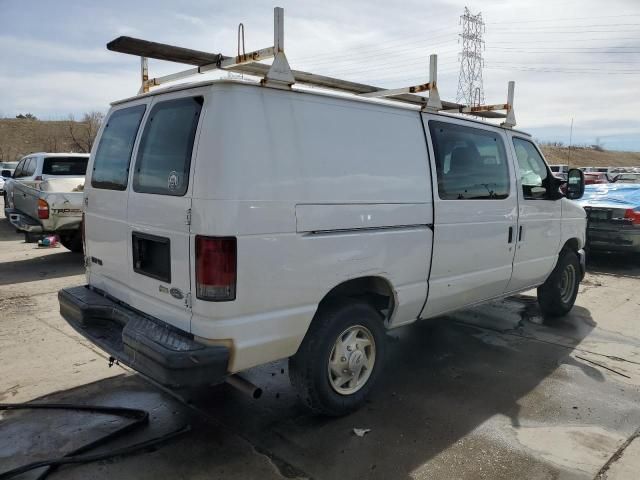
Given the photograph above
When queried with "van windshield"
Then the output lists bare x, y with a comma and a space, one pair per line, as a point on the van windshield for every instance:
65, 166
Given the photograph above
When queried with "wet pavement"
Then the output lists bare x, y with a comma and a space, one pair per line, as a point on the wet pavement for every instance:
491, 392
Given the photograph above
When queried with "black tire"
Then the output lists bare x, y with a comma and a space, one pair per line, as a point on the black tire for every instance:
558, 293
309, 367
72, 241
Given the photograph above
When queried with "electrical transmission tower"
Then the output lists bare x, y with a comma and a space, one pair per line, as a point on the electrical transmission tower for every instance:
470, 90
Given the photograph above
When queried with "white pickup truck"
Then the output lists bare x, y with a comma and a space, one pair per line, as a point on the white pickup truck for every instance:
229, 224
45, 194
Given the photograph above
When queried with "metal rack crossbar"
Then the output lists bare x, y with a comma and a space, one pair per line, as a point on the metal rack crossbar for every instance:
280, 75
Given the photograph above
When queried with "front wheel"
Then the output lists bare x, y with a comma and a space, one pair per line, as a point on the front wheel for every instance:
557, 295
340, 358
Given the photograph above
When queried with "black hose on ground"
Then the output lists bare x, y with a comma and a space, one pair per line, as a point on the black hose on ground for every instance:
140, 417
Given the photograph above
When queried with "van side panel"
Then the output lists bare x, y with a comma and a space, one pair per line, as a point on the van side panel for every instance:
317, 191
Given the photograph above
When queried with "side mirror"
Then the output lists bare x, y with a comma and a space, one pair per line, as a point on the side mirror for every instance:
6, 173
575, 184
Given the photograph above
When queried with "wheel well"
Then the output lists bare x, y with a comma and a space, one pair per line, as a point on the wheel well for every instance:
376, 291
572, 244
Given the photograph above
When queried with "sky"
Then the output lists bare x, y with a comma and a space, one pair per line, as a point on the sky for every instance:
571, 59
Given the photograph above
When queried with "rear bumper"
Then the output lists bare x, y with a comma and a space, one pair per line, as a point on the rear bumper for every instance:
164, 353
23, 222
614, 239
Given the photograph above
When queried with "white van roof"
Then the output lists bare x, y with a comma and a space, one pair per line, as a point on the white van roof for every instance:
305, 90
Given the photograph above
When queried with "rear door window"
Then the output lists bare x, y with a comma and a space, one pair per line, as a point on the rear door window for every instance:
164, 155
29, 167
471, 163
65, 166
113, 156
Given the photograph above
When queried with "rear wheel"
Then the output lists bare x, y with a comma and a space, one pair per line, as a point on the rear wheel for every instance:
72, 241
340, 358
557, 295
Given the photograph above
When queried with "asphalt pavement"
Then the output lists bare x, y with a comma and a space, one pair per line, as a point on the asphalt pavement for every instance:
494, 392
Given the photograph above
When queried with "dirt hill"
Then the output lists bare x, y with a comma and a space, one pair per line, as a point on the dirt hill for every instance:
588, 157
20, 137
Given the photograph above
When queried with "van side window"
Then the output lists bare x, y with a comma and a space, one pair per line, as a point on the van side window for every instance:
471, 163
533, 170
111, 163
164, 155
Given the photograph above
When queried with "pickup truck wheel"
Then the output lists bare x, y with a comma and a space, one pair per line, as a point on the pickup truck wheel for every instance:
557, 295
340, 358
72, 241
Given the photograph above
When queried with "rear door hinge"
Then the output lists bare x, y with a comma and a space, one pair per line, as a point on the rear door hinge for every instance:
188, 219
187, 300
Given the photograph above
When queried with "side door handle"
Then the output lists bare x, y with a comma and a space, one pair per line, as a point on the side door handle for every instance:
510, 235
520, 234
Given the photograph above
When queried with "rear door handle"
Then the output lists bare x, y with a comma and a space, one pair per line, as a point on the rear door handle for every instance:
520, 234
510, 235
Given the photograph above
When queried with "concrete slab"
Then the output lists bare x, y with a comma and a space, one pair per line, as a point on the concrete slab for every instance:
626, 466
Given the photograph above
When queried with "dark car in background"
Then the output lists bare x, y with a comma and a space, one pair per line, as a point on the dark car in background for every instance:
613, 216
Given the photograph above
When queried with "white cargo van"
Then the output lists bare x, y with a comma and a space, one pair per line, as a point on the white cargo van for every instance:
229, 224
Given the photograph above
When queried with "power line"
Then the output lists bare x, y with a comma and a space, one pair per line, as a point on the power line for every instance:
567, 19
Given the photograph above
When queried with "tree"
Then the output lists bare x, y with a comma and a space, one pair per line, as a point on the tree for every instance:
26, 116
83, 133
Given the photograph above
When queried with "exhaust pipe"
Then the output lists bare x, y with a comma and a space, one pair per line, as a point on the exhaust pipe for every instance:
244, 385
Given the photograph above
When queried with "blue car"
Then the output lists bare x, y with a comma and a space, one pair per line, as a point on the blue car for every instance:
613, 216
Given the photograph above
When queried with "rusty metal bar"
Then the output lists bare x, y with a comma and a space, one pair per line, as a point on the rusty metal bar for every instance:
510, 121
434, 103
477, 108
144, 75
250, 57
397, 91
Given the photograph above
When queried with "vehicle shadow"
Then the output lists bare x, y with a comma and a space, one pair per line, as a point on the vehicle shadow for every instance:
612, 263
443, 380
55, 265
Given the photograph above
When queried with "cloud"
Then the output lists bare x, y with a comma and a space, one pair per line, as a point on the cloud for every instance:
566, 64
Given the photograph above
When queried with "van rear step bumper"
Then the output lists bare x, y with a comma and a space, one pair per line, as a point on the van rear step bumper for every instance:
164, 353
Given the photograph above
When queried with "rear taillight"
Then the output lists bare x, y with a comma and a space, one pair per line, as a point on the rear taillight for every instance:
216, 265
632, 215
43, 209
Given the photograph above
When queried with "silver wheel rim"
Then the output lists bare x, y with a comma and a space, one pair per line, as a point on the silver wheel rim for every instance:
567, 283
351, 360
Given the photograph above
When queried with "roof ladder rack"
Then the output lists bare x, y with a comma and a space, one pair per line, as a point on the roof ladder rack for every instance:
433, 102
280, 75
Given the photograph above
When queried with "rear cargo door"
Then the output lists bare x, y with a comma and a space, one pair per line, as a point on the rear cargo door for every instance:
159, 209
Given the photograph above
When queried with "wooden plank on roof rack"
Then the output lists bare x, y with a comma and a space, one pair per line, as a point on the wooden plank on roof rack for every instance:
162, 51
